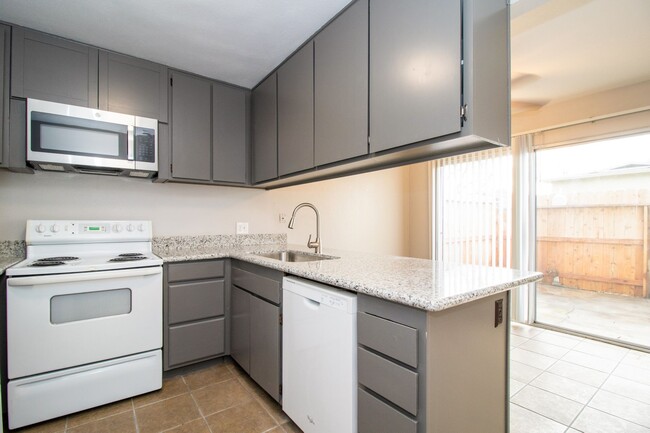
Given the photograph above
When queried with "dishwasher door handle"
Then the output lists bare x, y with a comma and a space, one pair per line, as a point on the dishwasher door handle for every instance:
314, 305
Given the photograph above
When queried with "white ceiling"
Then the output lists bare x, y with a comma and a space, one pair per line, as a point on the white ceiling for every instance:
237, 41
568, 48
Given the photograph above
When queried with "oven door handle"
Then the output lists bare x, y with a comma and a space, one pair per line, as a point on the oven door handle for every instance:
85, 276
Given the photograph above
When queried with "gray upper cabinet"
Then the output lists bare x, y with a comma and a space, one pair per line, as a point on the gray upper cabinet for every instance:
341, 87
296, 112
5, 39
415, 71
190, 127
229, 133
54, 69
133, 86
265, 130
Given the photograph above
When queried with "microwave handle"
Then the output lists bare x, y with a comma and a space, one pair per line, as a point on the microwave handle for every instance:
130, 142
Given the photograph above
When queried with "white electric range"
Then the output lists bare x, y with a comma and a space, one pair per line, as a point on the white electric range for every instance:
84, 318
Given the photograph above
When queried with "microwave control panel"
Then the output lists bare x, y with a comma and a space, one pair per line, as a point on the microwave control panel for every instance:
145, 144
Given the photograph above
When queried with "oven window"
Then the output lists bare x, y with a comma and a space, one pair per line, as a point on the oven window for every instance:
91, 305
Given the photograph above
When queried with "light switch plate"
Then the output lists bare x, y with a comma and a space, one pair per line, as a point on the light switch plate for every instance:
242, 228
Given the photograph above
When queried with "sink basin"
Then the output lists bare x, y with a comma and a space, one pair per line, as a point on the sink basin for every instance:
295, 256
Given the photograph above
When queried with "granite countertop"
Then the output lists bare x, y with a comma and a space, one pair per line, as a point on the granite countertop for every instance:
424, 284
7, 261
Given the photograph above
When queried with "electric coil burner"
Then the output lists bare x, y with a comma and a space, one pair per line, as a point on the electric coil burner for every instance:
84, 318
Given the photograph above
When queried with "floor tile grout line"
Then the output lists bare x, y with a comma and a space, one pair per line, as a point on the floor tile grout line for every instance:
135, 417
540, 414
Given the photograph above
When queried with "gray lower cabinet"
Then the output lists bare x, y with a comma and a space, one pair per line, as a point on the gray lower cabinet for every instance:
209, 137
133, 86
195, 311
256, 332
433, 372
265, 130
341, 87
54, 69
415, 71
296, 112
5, 50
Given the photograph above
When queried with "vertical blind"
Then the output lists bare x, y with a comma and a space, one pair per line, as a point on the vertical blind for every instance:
474, 208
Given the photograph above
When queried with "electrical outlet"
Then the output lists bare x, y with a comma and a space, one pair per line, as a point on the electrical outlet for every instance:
242, 228
283, 218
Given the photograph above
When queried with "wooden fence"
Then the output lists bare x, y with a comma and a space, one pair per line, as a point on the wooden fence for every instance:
602, 248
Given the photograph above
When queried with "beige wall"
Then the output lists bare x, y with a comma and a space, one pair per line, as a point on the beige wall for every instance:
420, 206
621, 100
368, 212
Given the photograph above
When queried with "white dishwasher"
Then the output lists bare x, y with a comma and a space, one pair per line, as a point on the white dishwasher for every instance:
319, 356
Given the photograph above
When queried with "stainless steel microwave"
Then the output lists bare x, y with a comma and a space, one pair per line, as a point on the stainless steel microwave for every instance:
64, 137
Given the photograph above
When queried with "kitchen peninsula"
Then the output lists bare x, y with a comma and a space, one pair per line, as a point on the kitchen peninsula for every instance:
432, 337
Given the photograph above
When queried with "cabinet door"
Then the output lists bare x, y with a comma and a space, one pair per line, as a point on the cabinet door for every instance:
191, 127
341, 87
229, 133
415, 71
240, 310
5, 39
265, 130
265, 349
296, 112
53, 69
132, 86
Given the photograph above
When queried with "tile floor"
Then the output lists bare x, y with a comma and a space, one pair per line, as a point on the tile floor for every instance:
562, 383
559, 383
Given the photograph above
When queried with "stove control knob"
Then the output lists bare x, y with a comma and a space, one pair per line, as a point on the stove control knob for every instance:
40, 228
130, 228
54, 228
141, 227
117, 228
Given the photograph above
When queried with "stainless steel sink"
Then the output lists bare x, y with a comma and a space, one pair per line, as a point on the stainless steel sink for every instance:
295, 256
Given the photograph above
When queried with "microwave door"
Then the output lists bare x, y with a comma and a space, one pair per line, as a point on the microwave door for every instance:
79, 136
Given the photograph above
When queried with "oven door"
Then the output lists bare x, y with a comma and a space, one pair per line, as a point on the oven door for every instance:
79, 136
65, 320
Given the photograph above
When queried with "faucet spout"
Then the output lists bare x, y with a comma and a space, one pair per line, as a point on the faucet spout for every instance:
316, 244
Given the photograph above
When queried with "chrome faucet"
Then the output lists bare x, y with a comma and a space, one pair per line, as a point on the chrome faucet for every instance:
316, 245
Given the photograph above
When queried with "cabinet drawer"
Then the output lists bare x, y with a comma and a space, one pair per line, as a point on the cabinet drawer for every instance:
393, 382
261, 286
195, 341
195, 300
376, 416
390, 338
195, 270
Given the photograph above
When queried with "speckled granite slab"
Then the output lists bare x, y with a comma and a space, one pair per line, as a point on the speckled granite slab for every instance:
183, 248
424, 284
11, 252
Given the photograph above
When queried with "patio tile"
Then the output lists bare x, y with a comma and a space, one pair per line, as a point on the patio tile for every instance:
591, 361
531, 358
550, 405
622, 407
582, 374
602, 350
523, 373
565, 387
546, 349
595, 421
628, 388
515, 386
559, 339
526, 331
631, 372
525, 421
